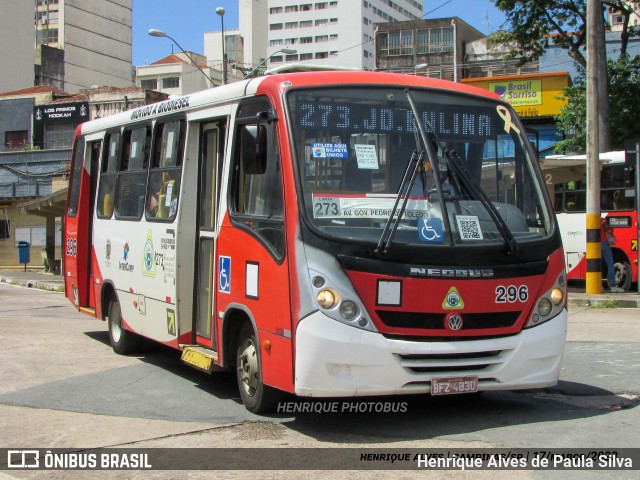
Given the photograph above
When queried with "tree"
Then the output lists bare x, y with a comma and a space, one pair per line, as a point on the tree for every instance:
624, 90
534, 25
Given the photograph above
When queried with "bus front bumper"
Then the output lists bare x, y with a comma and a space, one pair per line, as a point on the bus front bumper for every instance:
336, 360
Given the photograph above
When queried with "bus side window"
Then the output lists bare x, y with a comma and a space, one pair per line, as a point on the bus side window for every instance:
132, 174
108, 175
257, 202
165, 175
76, 176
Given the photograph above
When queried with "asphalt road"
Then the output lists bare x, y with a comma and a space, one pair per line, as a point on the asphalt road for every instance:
62, 387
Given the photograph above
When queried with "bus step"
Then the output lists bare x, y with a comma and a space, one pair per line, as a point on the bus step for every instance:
200, 358
89, 310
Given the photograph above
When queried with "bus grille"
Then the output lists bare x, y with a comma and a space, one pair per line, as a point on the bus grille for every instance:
436, 321
450, 362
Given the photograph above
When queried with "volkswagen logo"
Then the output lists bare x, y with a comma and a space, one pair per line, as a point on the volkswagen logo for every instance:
454, 322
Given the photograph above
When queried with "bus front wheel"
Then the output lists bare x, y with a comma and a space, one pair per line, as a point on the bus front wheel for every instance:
256, 396
122, 341
624, 277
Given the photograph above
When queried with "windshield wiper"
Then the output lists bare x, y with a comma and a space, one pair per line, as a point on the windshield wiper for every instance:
409, 178
464, 177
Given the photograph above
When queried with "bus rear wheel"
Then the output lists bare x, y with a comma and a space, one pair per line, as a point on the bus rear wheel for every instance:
122, 341
256, 396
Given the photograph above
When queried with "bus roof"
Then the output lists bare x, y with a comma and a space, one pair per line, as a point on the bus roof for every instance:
558, 161
277, 82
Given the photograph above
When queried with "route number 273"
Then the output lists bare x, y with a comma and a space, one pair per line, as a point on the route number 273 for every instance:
512, 293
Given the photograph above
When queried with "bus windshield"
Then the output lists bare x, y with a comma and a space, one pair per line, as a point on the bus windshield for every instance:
473, 181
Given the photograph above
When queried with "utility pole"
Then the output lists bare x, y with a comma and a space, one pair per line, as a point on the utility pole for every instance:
594, 250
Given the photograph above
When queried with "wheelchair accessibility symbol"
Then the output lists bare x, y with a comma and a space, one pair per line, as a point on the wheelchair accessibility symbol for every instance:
224, 274
430, 230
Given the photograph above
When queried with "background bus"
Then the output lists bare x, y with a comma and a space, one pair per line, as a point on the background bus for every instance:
326, 234
566, 175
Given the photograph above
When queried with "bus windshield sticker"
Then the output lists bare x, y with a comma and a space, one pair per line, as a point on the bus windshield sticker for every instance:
505, 115
327, 205
469, 227
330, 150
167, 202
430, 230
367, 156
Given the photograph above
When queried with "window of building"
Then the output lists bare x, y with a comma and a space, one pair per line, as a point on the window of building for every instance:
171, 82
275, 43
58, 135
275, 10
333, 36
276, 59
293, 57
149, 84
306, 23
47, 35
322, 38
291, 8
275, 26
306, 39
333, 4
5, 229
333, 20
16, 140
407, 42
322, 55
321, 5
306, 56
290, 41
290, 25
322, 21
305, 7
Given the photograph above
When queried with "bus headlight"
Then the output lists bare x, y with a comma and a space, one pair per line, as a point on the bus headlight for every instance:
327, 299
348, 310
550, 304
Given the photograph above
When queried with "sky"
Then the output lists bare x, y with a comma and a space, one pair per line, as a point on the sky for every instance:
187, 21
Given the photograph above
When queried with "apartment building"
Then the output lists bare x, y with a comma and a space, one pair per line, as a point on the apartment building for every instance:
82, 43
17, 37
336, 33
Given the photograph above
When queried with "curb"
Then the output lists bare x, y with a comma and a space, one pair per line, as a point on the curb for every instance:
52, 287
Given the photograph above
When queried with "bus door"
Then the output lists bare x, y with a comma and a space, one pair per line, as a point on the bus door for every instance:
212, 137
93, 149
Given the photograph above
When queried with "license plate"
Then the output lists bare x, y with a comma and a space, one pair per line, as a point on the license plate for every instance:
454, 385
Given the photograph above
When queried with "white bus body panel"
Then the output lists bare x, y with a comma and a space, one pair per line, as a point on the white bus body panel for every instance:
343, 361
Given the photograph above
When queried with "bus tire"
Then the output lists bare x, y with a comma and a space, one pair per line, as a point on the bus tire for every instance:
122, 341
624, 276
256, 396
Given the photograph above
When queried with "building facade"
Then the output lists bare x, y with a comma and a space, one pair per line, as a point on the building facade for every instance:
80, 44
434, 47
16, 37
334, 33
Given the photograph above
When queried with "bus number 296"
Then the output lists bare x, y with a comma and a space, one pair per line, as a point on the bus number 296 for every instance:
512, 294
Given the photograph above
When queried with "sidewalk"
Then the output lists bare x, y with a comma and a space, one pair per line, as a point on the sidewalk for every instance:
33, 279
577, 295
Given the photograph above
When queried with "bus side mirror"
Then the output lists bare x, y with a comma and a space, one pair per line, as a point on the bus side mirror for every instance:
254, 149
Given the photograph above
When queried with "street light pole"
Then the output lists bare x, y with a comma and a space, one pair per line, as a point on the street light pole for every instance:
154, 32
286, 51
220, 11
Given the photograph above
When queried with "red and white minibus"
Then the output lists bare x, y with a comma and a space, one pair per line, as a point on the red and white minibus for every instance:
323, 233
566, 174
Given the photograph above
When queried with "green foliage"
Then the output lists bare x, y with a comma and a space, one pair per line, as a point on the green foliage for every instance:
624, 98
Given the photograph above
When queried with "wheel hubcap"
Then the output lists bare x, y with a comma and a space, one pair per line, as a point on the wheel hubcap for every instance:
116, 327
248, 367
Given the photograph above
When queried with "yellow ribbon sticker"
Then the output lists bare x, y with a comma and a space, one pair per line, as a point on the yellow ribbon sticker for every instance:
505, 115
